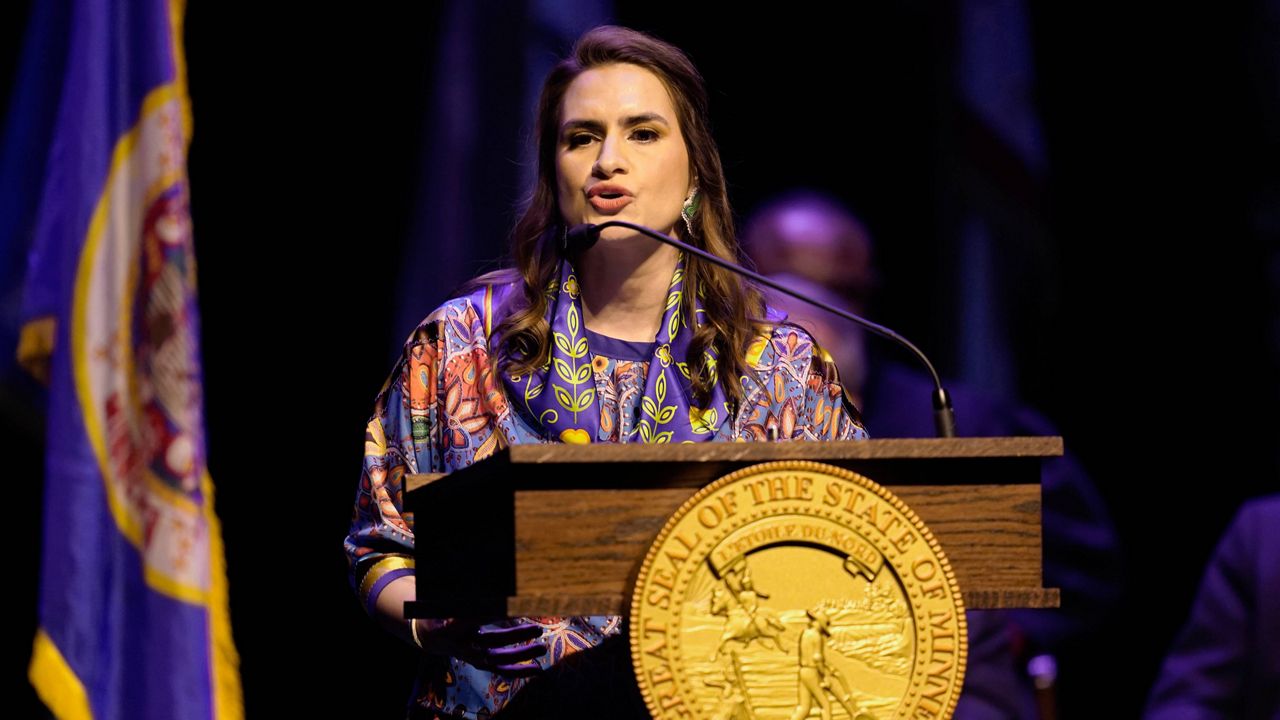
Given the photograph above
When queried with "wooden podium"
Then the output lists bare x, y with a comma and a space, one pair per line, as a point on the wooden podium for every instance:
555, 530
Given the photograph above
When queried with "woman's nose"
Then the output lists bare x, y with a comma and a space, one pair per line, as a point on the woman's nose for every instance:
612, 158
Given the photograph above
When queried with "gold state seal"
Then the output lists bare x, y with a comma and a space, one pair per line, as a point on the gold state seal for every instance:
795, 588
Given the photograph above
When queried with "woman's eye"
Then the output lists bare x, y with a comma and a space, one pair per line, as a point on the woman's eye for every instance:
579, 139
645, 135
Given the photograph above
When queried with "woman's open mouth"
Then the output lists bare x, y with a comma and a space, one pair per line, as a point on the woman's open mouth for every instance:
610, 202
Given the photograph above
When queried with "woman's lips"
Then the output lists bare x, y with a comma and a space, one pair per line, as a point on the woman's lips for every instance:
610, 205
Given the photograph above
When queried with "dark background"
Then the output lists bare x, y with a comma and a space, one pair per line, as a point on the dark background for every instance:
1141, 291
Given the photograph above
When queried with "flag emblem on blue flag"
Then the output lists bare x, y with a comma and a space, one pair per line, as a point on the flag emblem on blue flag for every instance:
133, 599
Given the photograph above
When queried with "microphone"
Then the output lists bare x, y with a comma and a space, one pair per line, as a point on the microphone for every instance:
579, 238
582, 237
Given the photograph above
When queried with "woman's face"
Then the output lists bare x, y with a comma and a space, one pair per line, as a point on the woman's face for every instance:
620, 154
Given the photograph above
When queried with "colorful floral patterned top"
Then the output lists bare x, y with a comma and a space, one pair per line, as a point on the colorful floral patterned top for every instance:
444, 408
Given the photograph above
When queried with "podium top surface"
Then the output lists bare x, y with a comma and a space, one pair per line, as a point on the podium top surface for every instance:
696, 464
887, 449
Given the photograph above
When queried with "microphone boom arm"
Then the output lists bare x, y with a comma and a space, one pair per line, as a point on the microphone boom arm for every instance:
582, 237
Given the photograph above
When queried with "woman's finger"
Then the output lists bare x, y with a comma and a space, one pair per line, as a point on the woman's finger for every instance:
499, 637
524, 669
517, 653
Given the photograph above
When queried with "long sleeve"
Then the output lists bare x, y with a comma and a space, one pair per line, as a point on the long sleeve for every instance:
444, 408
829, 412
401, 438
796, 391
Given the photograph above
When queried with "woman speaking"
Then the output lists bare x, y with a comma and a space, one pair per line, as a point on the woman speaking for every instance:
627, 341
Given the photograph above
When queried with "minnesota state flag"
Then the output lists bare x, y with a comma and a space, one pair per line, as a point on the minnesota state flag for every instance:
133, 600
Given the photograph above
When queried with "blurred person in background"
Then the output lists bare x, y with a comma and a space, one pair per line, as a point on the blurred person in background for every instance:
1226, 661
814, 244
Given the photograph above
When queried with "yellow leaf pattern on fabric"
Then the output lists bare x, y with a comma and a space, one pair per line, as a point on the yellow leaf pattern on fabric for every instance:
564, 398
564, 371
649, 407
673, 299
777, 389
702, 420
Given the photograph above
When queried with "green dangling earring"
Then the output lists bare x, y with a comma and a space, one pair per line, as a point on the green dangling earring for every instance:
690, 208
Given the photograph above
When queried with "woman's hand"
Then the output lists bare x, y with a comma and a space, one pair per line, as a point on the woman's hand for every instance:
508, 650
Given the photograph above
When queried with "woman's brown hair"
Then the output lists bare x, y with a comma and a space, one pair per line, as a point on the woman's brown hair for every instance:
732, 307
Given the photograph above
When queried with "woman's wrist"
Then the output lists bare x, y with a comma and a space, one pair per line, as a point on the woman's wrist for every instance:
425, 633
389, 607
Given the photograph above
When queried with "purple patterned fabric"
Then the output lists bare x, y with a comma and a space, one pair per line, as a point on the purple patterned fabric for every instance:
443, 408
561, 396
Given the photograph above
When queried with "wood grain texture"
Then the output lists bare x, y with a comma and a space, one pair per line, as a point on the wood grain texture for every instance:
754, 452
580, 519
891, 461
590, 542
567, 605
989, 533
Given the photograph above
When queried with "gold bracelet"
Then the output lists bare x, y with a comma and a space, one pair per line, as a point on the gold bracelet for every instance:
413, 630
